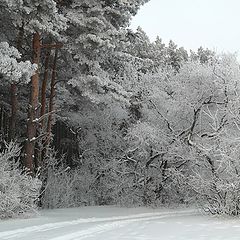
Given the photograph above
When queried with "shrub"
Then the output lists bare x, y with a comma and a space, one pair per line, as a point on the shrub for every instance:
18, 190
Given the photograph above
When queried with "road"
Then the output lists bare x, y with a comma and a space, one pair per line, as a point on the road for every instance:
120, 224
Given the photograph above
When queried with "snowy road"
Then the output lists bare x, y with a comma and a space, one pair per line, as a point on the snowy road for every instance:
112, 223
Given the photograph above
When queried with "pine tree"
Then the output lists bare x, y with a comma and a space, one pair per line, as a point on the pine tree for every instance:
35, 19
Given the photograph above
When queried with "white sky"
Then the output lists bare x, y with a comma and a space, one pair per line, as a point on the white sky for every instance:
192, 23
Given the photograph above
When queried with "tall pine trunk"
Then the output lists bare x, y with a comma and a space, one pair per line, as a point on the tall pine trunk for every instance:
52, 95
33, 108
14, 108
44, 87
13, 93
41, 150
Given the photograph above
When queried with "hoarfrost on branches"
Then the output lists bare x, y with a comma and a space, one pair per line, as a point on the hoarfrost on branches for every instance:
18, 191
11, 69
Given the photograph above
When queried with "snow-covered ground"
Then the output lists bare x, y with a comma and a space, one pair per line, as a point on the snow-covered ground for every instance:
113, 223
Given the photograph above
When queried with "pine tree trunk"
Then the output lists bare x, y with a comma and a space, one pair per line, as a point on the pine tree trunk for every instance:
1, 121
52, 95
41, 152
14, 107
44, 87
33, 108
13, 91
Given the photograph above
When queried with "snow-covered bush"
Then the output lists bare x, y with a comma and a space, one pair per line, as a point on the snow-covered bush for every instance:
68, 189
18, 191
217, 195
62, 186
138, 184
216, 191
215, 177
83, 186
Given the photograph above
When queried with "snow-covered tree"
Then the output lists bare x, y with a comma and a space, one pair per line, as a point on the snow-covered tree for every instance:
189, 125
34, 16
24, 19
93, 38
12, 70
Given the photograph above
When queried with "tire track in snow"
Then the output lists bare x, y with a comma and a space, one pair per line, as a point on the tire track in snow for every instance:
117, 221
93, 231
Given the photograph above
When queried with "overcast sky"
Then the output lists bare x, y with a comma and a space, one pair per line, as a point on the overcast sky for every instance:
192, 23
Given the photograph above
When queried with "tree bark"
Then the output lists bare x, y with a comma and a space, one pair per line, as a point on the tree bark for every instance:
14, 108
44, 87
13, 91
52, 95
33, 108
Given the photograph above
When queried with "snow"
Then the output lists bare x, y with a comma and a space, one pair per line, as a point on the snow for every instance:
114, 223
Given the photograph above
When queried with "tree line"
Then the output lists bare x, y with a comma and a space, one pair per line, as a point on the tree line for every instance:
93, 113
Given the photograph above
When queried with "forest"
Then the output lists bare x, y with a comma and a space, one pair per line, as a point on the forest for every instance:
93, 113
